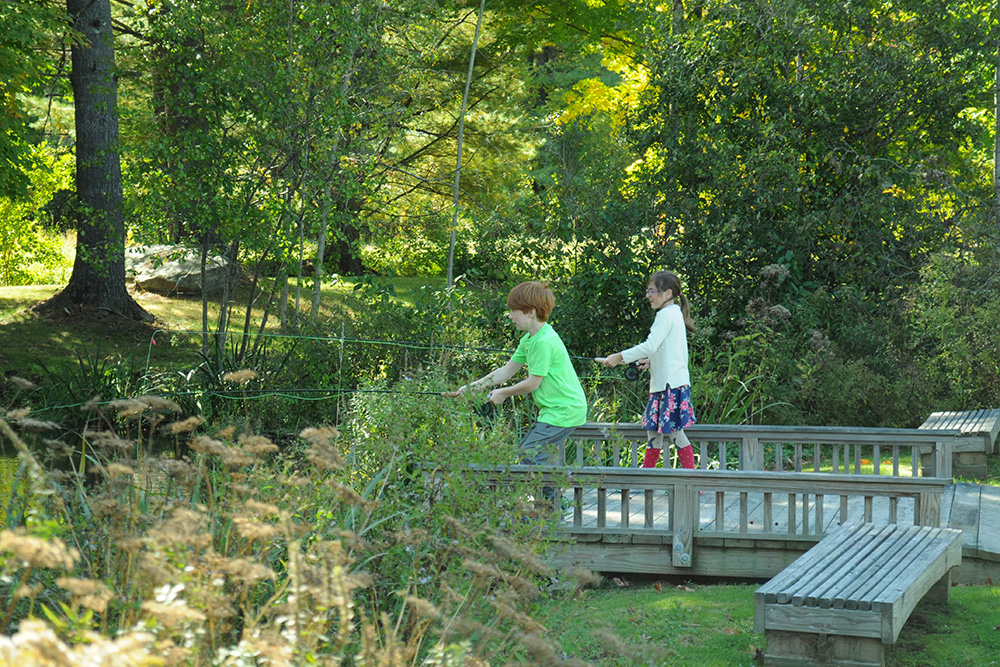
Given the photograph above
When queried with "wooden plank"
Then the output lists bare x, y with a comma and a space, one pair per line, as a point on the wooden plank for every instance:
814, 620
882, 564
899, 598
794, 578
684, 520
831, 577
988, 542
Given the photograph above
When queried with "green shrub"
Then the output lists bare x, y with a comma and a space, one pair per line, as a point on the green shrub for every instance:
31, 252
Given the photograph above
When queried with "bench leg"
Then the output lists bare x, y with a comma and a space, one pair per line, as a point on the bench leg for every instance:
940, 592
804, 649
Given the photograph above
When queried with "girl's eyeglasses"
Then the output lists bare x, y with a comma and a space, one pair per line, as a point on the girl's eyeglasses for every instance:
650, 290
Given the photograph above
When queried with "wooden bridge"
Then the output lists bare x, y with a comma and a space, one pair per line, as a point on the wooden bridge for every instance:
761, 497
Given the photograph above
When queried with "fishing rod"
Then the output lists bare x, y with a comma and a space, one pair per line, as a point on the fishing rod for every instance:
631, 371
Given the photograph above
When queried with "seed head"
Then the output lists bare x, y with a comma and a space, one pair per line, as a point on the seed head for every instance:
240, 377
36, 552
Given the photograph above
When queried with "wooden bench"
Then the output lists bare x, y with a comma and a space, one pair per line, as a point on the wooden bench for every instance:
980, 428
848, 596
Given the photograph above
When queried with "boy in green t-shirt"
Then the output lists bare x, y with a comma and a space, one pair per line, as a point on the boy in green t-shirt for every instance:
551, 381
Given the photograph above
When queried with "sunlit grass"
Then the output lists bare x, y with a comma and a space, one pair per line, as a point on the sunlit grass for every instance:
696, 626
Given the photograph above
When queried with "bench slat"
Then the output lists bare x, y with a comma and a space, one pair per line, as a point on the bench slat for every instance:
852, 593
891, 564
800, 567
858, 567
836, 573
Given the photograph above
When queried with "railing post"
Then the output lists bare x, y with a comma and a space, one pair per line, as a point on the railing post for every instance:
684, 516
753, 453
929, 510
942, 458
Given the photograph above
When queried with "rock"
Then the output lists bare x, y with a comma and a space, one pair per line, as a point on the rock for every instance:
174, 269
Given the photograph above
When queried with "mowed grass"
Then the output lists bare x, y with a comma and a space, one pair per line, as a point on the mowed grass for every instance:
686, 624
27, 338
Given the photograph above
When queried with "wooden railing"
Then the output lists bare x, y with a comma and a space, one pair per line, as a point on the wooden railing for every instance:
727, 505
825, 449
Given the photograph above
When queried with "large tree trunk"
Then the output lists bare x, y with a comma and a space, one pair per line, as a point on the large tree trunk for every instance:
98, 279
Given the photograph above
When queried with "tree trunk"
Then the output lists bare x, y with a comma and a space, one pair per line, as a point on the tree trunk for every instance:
98, 279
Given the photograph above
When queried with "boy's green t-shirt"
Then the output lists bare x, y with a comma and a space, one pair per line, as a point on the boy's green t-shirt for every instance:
560, 398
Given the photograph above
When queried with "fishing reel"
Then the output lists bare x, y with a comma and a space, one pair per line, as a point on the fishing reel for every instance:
485, 410
632, 372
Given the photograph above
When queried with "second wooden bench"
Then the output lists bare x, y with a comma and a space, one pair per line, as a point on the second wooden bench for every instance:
848, 596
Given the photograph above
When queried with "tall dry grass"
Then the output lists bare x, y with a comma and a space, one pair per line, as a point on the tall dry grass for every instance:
333, 549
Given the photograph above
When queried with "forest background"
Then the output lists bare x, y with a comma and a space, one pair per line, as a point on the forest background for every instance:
821, 175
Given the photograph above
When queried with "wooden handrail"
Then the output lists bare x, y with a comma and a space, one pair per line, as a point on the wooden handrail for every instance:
848, 443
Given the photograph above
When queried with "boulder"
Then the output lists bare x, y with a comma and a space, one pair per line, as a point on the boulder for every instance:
174, 269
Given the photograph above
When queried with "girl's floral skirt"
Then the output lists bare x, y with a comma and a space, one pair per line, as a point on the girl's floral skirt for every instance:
669, 410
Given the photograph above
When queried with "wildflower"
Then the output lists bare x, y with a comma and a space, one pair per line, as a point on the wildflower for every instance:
206, 445
37, 425
779, 312
254, 530
173, 614
36, 552
348, 495
159, 403
105, 506
127, 407
116, 470
236, 458
87, 593
583, 576
27, 591
325, 456
774, 273
507, 611
257, 445
262, 509
240, 377
248, 572
35, 643
186, 426
21, 383
108, 440
508, 549
423, 608
93, 404
481, 570
320, 436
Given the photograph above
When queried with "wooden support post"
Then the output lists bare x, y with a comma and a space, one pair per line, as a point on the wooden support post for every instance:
753, 454
684, 518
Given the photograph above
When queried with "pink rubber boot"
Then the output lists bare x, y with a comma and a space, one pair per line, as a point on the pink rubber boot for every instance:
686, 455
652, 456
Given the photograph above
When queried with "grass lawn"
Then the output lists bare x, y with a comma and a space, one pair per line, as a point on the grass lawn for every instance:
27, 338
696, 625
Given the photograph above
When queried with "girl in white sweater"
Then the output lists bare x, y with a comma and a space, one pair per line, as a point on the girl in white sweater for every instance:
669, 410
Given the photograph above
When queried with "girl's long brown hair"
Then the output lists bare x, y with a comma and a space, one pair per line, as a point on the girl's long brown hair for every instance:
665, 280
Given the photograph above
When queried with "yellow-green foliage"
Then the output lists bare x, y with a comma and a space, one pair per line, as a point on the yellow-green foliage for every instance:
28, 251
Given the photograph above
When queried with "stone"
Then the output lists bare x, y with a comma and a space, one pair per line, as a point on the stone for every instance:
174, 270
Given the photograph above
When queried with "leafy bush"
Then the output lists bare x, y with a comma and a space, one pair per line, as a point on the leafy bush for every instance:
31, 253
